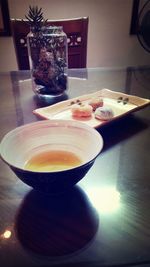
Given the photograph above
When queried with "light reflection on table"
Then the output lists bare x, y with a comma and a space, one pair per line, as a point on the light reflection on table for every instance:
104, 199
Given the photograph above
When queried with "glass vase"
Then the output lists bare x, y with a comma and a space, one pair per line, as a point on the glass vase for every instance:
48, 59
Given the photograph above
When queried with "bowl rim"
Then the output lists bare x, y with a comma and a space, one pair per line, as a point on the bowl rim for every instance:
56, 122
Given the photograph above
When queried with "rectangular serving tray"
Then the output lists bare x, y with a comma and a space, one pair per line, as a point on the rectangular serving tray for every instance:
121, 104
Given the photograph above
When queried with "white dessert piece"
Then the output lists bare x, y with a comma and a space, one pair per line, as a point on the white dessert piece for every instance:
104, 113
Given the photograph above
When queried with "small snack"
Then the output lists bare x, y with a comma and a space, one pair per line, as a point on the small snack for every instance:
104, 113
96, 103
81, 110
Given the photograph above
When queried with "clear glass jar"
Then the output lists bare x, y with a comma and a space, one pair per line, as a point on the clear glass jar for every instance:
48, 58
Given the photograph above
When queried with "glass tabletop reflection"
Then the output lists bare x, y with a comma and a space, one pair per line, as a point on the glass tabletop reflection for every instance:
103, 220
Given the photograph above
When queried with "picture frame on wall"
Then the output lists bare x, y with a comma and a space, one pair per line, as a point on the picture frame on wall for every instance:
4, 19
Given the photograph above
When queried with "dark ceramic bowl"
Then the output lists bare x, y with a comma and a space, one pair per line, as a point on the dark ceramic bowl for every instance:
24, 142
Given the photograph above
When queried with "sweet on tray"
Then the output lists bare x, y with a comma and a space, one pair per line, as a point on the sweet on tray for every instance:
94, 106
96, 102
104, 113
81, 110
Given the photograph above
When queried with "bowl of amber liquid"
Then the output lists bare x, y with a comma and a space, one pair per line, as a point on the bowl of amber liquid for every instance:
51, 155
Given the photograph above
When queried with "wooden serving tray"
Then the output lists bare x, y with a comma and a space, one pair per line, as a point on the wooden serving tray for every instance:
121, 104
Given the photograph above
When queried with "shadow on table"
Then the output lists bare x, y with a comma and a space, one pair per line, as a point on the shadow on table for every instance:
56, 225
117, 131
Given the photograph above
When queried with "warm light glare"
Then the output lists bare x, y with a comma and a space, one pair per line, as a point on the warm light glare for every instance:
7, 234
25, 80
105, 199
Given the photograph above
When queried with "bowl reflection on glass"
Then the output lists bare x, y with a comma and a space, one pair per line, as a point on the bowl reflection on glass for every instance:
23, 143
56, 225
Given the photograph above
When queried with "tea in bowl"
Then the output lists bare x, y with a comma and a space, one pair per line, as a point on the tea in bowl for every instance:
51, 155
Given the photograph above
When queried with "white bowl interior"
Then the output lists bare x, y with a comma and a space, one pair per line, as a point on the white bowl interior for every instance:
22, 143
